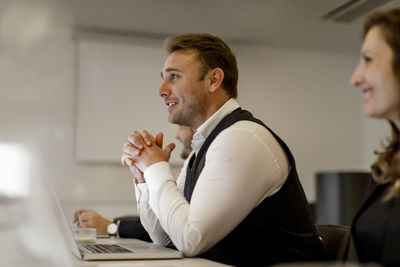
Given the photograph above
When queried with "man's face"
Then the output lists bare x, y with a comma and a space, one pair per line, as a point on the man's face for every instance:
185, 136
183, 92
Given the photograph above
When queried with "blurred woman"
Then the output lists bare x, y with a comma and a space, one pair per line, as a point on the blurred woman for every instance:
376, 227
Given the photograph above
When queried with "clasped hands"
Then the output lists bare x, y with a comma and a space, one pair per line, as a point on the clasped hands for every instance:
142, 150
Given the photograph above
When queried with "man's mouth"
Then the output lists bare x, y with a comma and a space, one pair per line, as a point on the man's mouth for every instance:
171, 105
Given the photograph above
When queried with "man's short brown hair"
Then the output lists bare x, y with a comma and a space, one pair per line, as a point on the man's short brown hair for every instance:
213, 53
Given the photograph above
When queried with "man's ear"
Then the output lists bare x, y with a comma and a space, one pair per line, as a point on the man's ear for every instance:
216, 76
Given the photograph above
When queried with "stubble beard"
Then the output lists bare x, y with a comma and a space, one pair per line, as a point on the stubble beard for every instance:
185, 153
192, 113
187, 116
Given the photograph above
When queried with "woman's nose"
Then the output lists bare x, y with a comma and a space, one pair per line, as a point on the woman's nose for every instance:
357, 78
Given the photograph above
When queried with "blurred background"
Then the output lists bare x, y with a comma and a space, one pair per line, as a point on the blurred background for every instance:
76, 76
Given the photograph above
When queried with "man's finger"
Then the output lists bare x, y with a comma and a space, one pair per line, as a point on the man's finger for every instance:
136, 140
84, 217
159, 139
130, 149
84, 224
77, 214
137, 173
148, 138
169, 148
124, 158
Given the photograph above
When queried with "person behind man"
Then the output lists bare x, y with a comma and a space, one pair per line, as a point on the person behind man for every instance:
127, 226
238, 199
376, 227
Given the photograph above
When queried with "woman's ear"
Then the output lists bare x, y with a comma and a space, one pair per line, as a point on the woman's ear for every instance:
216, 76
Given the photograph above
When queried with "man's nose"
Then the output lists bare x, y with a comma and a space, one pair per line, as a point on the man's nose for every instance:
163, 90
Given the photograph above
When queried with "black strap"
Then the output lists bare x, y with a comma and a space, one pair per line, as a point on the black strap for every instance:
189, 186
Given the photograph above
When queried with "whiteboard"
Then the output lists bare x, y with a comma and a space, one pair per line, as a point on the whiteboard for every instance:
117, 82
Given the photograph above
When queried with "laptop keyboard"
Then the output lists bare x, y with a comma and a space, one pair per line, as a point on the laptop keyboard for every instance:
97, 249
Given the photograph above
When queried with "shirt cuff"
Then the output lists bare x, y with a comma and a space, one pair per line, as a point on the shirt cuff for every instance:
139, 188
142, 195
158, 174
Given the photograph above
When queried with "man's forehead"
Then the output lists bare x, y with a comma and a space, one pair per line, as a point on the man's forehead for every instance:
187, 52
181, 58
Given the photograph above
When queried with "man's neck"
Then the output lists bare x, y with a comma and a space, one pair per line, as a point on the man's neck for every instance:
215, 103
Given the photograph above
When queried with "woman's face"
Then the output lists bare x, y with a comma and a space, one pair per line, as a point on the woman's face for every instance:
375, 76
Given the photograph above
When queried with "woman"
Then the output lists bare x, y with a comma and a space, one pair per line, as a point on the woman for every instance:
376, 227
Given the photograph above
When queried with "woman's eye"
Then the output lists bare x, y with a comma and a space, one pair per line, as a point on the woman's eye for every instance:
367, 59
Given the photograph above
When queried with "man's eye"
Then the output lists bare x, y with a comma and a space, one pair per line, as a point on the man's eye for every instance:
173, 77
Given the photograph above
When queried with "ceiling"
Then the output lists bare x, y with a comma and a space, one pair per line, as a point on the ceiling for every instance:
280, 23
295, 24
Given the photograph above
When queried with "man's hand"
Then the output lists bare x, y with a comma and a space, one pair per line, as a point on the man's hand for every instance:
135, 145
137, 173
140, 153
91, 219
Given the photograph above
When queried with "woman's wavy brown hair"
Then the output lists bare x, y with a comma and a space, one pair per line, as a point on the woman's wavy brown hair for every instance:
387, 166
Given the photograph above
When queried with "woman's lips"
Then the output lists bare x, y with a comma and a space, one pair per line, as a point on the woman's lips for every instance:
367, 92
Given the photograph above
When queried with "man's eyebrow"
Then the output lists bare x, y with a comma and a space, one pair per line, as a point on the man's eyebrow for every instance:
168, 70
171, 69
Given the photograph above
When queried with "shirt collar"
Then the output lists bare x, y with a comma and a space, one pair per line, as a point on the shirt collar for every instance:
206, 128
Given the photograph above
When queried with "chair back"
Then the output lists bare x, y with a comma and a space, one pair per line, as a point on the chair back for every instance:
336, 239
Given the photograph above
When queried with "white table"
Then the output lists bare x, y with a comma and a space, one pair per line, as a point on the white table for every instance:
184, 262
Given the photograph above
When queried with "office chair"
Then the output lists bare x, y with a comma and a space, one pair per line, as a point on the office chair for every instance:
336, 239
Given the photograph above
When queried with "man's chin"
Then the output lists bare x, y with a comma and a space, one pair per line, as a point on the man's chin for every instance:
172, 120
184, 155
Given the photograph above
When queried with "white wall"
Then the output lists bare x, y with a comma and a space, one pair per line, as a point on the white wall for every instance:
375, 134
37, 109
308, 101
116, 92
305, 95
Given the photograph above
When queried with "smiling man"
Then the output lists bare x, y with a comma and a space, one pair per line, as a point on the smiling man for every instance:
238, 199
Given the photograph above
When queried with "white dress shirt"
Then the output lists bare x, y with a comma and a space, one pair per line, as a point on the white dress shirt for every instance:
243, 165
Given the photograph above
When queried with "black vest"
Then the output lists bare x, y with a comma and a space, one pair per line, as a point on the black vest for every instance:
279, 229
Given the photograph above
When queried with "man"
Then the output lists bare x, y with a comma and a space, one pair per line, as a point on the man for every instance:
238, 199
129, 226
185, 136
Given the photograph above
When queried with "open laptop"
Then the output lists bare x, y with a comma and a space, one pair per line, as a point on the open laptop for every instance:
112, 249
